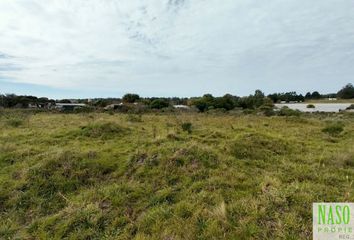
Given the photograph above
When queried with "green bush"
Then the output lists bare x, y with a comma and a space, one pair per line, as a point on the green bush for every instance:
310, 106
159, 104
267, 110
351, 107
285, 111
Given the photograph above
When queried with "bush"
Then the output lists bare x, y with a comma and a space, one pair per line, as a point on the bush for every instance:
285, 111
159, 104
347, 92
351, 107
267, 110
310, 106
187, 127
131, 98
334, 129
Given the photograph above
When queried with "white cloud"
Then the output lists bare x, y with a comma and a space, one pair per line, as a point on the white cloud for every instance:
159, 47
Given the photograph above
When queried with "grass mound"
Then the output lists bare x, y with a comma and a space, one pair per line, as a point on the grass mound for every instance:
258, 146
334, 129
102, 130
47, 184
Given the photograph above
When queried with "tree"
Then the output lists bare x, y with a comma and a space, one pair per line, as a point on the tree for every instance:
226, 102
201, 104
315, 95
131, 98
347, 92
258, 98
159, 104
308, 95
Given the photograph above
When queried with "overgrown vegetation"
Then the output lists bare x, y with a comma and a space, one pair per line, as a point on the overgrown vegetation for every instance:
334, 128
171, 176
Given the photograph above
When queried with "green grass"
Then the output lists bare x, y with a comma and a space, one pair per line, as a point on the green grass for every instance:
116, 176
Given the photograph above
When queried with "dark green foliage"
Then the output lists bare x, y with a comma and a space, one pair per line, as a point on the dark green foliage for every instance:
351, 107
310, 106
287, 97
315, 95
130, 98
12, 101
187, 127
347, 92
159, 104
285, 111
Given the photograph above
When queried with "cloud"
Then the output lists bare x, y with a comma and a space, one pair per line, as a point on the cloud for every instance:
177, 47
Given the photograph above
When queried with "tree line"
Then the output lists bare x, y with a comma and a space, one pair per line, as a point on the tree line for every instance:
204, 103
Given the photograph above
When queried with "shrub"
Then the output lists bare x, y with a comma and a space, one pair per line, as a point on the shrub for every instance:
310, 106
334, 129
351, 107
267, 110
187, 127
159, 104
131, 98
347, 92
285, 111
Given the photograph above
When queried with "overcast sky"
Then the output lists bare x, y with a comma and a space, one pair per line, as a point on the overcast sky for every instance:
100, 48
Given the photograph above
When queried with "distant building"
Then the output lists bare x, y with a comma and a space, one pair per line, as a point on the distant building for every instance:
181, 106
114, 106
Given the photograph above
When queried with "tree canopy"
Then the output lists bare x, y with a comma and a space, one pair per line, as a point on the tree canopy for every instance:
347, 92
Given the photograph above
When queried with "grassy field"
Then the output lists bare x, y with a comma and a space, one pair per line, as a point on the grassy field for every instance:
170, 176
